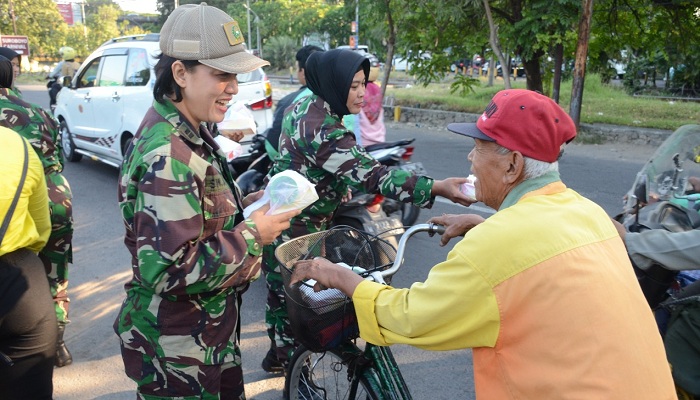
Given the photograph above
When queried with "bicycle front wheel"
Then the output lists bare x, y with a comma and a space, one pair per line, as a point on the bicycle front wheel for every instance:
316, 376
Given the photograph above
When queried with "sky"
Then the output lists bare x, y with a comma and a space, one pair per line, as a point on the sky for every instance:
138, 6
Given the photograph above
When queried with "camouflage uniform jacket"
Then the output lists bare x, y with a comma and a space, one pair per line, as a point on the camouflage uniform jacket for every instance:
34, 124
190, 259
315, 143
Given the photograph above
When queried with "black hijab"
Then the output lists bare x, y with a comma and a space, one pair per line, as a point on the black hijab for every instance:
6, 73
329, 74
10, 54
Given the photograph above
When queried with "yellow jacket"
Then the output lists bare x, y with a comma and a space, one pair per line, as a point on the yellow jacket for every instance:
30, 225
544, 293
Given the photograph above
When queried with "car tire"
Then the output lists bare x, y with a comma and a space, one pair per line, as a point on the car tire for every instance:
68, 145
126, 142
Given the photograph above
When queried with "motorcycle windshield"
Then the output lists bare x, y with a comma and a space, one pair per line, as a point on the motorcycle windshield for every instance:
665, 176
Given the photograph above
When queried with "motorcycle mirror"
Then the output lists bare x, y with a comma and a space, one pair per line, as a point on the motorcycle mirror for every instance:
640, 190
640, 194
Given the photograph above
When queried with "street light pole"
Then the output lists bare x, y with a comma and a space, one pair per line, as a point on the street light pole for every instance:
257, 30
247, 6
357, 23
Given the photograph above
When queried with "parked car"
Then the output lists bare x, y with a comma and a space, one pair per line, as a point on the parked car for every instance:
401, 63
364, 50
520, 70
101, 109
461, 66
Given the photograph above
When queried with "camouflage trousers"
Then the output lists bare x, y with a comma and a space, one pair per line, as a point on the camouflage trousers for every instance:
157, 379
276, 319
58, 252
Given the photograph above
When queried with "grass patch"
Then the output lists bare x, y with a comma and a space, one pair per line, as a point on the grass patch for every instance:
602, 103
31, 78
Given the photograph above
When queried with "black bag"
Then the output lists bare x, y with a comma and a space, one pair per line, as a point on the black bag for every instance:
682, 339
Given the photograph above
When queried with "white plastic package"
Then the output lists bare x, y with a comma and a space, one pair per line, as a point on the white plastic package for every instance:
325, 300
468, 189
286, 191
231, 149
238, 118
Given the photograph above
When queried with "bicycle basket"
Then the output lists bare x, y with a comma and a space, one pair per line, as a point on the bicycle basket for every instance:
322, 321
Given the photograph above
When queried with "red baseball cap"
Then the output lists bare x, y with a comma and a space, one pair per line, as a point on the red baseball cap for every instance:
524, 121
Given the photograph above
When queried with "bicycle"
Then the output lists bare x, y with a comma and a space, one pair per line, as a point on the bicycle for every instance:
329, 363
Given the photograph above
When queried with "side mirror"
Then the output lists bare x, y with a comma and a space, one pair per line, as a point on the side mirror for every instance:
640, 190
66, 80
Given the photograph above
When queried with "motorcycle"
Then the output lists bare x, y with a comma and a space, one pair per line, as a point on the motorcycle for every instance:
54, 85
662, 197
398, 155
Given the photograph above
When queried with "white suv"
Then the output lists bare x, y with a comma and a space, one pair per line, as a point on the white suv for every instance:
103, 107
364, 50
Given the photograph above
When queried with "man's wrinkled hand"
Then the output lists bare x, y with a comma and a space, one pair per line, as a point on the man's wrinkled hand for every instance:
456, 225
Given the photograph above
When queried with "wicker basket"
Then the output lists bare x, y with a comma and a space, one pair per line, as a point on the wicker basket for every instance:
321, 321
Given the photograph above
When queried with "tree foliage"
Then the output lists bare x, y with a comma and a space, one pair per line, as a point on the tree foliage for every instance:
47, 32
39, 20
655, 38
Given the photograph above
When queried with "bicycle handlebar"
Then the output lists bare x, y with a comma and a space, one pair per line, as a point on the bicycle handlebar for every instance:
431, 228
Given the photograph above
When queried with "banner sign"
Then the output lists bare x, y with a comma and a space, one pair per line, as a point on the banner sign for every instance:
20, 44
66, 11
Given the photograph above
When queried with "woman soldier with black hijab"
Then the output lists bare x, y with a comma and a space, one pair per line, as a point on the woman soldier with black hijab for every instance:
315, 143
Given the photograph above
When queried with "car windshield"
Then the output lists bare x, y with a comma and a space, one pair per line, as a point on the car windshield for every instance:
253, 76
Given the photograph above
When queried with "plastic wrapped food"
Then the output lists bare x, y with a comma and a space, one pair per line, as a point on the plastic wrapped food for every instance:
468, 189
286, 191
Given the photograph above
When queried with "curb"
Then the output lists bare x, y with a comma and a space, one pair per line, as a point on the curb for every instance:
587, 133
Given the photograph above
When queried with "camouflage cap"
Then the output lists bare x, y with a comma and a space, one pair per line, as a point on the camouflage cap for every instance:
208, 35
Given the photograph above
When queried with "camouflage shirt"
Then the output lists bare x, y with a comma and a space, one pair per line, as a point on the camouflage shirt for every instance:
34, 124
315, 143
190, 259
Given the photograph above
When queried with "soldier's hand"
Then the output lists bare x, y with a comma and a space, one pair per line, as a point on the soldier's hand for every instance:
233, 134
456, 225
449, 189
252, 198
271, 226
347, 197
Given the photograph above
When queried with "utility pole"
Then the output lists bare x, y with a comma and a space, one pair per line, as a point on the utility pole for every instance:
82, 12
584, 31
247, 6
12, 15
357, 23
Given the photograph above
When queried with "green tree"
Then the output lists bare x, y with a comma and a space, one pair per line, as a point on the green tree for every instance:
39, 20
655, 36
102, 25
280, 51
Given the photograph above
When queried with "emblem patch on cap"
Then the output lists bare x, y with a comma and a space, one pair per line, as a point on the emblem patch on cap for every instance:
233, 33
489, 111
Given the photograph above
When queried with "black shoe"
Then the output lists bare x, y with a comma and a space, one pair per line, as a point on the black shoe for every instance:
63, 356
271, 364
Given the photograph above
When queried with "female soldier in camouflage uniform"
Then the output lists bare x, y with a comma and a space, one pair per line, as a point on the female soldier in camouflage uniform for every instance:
193, 254
37, 126
315, 143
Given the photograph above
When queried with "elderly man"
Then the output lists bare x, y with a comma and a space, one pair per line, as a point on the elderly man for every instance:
542, 290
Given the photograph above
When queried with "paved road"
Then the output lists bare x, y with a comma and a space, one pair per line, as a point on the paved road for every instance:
101, 266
